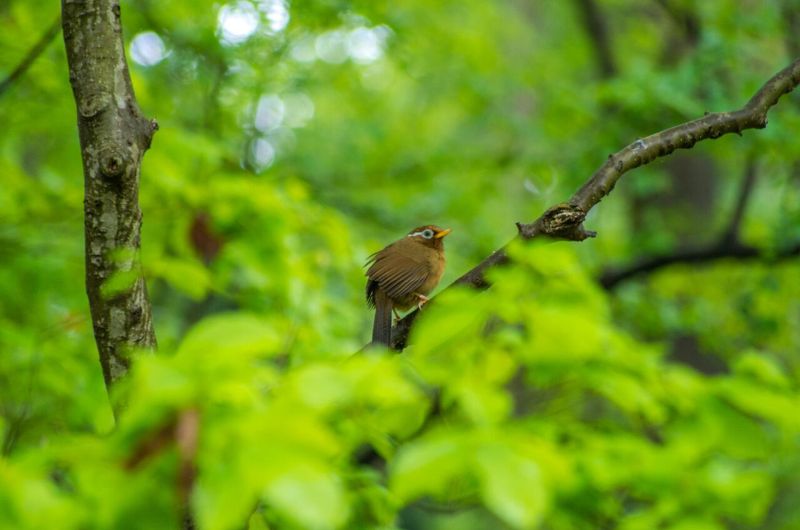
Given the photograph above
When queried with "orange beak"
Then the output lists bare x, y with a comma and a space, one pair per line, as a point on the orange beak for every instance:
442, 233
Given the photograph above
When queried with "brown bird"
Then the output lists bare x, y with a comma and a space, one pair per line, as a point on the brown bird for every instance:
402, 274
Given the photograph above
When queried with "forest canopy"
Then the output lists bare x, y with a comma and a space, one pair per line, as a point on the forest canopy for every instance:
183, 324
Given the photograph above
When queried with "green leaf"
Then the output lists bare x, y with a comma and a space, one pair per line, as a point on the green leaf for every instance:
31, 501
310, 495
695, 523
778, 407
511, 486
484, 404
186, 275
762, 366
119, 282
428, 467
256, 522
231, 334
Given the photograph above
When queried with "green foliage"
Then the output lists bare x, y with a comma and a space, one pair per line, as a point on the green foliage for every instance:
288, 155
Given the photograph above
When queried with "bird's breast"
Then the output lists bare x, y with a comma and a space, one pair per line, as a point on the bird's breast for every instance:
436, 263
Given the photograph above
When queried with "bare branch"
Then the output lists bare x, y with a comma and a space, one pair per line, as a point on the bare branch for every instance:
728, 245
565, 221
33, 54
731, 234
595, 24
791, 18
644, 150
114, 137
613, 277
684, 18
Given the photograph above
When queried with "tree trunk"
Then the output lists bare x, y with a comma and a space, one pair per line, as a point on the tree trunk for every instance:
114, 136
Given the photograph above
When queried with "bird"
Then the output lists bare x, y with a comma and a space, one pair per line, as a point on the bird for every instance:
402, 275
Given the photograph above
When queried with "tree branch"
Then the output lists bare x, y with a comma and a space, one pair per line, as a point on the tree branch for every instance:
595, 24
33, 54
644, 150
728, 246
685, 19
565, 221
791, 18
114, 137
731, 234
613, 277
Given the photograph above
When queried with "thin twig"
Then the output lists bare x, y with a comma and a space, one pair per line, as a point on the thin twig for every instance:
596, 27
32, 55
683, 18
729, 244
611, 278
731, 234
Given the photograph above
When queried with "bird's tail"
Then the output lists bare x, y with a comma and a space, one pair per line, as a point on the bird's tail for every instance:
382, 326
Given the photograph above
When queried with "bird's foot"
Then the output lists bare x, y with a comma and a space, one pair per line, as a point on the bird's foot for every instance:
397, 316
422, 300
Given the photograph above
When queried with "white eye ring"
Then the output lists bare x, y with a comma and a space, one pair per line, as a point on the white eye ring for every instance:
427, 233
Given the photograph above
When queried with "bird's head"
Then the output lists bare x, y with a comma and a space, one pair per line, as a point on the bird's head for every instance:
429, 235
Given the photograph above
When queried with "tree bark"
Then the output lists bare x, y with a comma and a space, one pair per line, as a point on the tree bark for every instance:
114, 136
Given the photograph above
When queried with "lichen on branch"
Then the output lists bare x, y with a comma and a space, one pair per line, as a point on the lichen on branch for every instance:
114, 136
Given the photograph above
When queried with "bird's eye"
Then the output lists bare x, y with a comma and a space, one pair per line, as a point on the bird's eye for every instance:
427, 233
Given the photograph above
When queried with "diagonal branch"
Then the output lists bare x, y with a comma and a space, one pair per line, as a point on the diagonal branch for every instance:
644, 150
33, 54
565, 221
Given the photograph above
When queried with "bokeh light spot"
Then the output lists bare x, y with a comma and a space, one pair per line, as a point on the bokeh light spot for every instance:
148, 49
276, 13
262, 154
365, 45
237, 22
303, 50
269, 113
331, 47
299, 109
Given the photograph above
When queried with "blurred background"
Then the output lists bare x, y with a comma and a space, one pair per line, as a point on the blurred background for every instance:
298, 138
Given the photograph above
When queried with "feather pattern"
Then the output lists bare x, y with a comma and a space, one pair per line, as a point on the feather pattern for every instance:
400, 275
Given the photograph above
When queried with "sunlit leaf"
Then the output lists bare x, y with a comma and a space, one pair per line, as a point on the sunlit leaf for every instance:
511, 486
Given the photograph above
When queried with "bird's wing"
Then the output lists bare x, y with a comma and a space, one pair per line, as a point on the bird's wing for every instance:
397, 274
